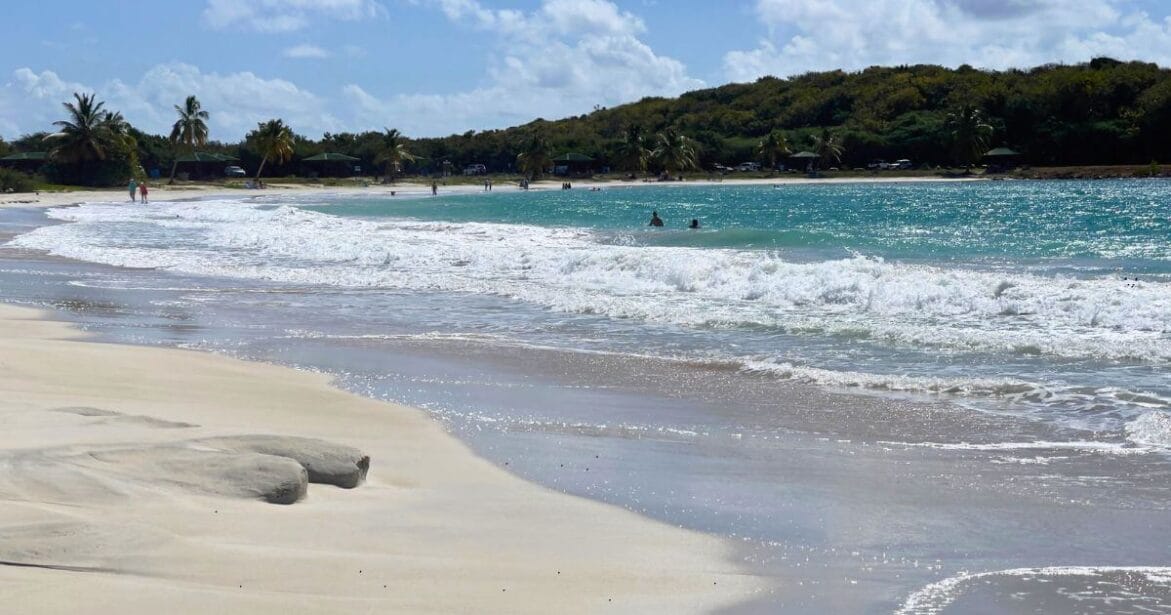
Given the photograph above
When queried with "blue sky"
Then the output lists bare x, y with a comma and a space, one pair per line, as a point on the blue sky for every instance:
434, 67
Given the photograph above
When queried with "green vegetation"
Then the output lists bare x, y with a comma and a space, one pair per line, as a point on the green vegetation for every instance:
1104, 112
15, 181
190, 129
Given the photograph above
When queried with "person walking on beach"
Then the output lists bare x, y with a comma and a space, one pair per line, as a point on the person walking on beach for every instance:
132, 187
434, 188
655, 219
142, 191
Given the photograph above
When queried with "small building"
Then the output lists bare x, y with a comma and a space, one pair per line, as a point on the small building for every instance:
29, 162
573, 164
1002, 159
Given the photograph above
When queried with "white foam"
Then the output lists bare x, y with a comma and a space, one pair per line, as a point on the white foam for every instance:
1151, 429
934, 598
971, 387
570, 270
1116, 448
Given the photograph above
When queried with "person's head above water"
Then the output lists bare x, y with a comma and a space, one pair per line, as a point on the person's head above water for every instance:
694, 223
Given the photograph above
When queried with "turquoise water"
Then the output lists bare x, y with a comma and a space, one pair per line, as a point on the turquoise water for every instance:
1105, 225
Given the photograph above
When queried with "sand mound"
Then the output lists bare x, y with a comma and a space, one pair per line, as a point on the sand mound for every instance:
325, 462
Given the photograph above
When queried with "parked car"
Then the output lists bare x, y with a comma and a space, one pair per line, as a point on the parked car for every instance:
475, 169
877, 165
235, 171
748, 166
902, 163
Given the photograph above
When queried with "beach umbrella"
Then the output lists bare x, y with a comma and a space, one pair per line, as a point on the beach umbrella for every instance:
805, 155
1001, 153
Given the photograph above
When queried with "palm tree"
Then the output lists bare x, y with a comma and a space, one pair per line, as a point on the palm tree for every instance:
632, 153
90, 134
274, 140
86, 135
534, 158
393, 152
675, 151
827, 146
773, 147
969, 133
190, 129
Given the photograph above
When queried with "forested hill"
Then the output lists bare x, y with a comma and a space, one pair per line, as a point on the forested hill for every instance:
1102, 112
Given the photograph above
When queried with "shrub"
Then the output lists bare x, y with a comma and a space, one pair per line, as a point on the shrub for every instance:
15, 181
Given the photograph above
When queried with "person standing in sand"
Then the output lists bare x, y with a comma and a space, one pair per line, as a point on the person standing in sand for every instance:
132, 186
142, 191
434, 188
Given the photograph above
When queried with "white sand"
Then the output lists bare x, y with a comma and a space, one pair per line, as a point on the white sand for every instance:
118, 498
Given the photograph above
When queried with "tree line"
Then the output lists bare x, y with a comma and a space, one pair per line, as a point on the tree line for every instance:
1100, 112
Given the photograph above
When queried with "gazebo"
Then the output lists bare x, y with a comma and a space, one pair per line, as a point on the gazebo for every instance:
573, 164
804, 159
341, 164
1002, 158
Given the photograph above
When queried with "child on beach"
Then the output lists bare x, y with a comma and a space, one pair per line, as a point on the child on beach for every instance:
142, 190
132, 187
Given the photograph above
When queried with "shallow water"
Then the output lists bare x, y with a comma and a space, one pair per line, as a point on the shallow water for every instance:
1008, 403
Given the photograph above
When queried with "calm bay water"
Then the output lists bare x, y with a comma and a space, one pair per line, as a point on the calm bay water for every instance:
1015, 334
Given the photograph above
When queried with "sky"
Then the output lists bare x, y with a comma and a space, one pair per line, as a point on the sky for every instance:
438, 67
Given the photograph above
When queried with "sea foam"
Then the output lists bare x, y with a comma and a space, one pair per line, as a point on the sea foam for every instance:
572, 270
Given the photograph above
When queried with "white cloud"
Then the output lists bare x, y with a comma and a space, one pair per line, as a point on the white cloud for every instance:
284, 15
563, 58
854, 34
236, 101
305, 51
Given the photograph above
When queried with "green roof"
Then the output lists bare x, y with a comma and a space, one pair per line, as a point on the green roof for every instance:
805, 154
1001, 151
27, 156
207, 157
573, 157
330, 157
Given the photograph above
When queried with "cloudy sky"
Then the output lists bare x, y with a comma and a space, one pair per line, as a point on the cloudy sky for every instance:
436, 67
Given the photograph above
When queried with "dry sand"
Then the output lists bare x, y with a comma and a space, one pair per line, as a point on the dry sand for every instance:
127, 487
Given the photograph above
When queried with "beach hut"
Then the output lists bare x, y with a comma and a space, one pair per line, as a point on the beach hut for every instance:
25, 161
334, 164
1001, 159
205, 164
573, 164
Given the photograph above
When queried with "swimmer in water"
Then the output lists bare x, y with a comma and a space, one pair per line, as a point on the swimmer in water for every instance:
655, 219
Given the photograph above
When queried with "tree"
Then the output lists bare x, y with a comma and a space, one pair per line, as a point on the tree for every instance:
773, 147
92, 134
827, 146
274, 140
190, 129
675, 151
534, 156
632, 153
393, 152
969, 133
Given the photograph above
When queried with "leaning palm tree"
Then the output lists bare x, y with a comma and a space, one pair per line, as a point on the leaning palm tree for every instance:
393, 152
773, 147
534, 157
827, 146
969, 133
632, 153
190, 129
274, 140
675, 151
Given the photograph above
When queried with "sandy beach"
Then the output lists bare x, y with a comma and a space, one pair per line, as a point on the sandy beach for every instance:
133, 483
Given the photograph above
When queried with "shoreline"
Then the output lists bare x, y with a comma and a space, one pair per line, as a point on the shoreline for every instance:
212, 191
98, 503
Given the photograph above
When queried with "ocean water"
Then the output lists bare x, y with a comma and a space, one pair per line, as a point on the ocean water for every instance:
811, 352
